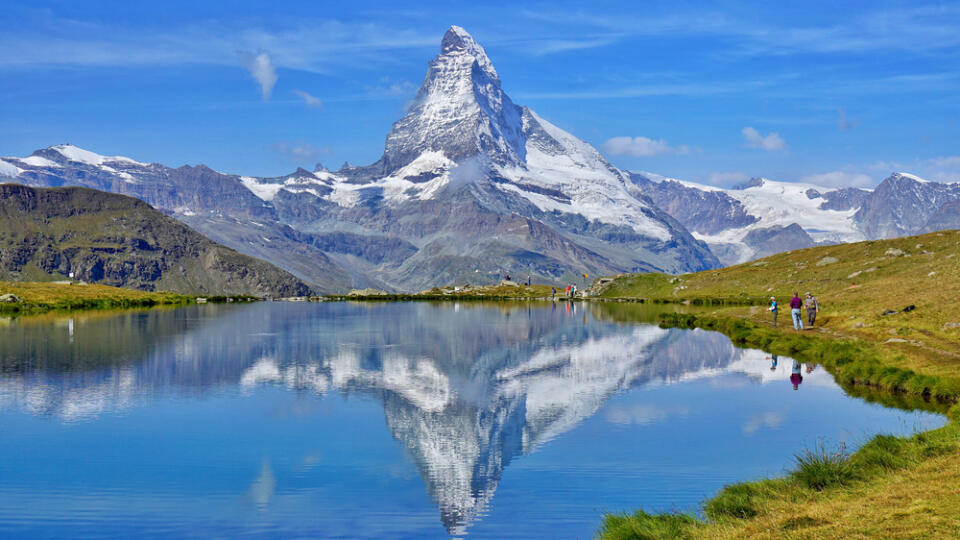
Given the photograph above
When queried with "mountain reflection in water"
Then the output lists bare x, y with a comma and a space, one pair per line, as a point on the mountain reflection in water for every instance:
465, 388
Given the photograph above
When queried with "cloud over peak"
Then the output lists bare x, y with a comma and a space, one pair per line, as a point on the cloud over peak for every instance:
641, 147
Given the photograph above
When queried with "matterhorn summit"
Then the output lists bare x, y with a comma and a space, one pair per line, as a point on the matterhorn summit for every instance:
460, 110
470, 188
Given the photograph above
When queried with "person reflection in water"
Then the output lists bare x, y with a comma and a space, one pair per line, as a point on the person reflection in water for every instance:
773, 362
796, 378
811, 367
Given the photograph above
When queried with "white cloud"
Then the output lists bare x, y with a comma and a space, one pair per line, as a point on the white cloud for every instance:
261, 69
309, 100
641, 147
839, 179
771, 142
725, 179
642, 414
389, 87
768, 419
301, 153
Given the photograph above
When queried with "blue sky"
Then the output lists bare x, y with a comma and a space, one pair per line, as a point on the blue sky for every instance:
840, 93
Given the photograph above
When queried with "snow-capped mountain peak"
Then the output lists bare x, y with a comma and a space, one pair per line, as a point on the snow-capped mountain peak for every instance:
457, 41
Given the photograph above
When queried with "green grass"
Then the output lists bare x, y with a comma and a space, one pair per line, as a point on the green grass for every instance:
819, 468
892, 487
41, 297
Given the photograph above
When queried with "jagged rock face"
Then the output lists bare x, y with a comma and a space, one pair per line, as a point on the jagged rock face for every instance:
904, 204
775, 239
845, 199
707, 212
460, 110
121, 241
470, 185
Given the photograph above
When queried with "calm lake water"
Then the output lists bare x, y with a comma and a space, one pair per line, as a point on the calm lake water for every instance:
401, 420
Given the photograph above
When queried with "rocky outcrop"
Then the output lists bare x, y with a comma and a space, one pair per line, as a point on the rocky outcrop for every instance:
121, 241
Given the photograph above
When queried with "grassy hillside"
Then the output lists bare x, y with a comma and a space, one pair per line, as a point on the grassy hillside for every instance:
855, 284
45, 234
892, 487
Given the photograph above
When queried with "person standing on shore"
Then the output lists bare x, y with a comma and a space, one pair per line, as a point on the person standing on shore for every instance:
813, 307
774, 310
795, 304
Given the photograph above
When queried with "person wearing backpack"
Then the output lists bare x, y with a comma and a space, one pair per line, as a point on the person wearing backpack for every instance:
813, 307
773, 309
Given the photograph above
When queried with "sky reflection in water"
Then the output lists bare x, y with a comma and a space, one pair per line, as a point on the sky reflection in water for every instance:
391, 420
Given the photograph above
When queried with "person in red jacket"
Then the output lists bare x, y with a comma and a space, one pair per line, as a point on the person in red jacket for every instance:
795, 304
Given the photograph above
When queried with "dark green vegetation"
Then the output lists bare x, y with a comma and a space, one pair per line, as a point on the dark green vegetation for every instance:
892, 487
116, 240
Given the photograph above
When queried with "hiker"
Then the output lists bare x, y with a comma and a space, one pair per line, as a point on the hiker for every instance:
528, 283
774, 310
795, 304
796, 378
574, 290
568, 291
813, 307
553, 293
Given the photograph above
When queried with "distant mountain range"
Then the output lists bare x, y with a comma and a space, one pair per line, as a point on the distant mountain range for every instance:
121, 241
471, 187
762, 217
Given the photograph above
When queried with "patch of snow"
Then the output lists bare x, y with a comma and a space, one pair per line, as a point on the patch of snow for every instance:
77, 154
912, 177
265, 192
8, 169
596, 189
397, 188
38, 161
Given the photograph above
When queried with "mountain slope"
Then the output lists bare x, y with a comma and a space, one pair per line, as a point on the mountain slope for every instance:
121, 241
217, 205
743, 223
470, 184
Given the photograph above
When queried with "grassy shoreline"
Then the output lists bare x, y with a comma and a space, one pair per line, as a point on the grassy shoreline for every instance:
892, 487
44, 297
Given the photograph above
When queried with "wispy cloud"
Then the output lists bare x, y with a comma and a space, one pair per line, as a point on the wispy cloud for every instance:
313, 45
389, 87
914, 30
769, 419
309, 100
843, 122
840, 179
770, 142
301, 153
726, 179
261, 69
641, 147
643, 414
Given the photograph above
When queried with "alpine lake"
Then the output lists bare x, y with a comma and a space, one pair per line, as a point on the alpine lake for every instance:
393, 420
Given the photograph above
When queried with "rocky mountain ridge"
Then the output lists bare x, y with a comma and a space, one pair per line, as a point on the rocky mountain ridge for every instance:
121, 241
469, 187
762, 217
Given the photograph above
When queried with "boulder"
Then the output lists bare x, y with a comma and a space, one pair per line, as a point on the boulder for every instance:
827, 260
10, 298
893, 252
